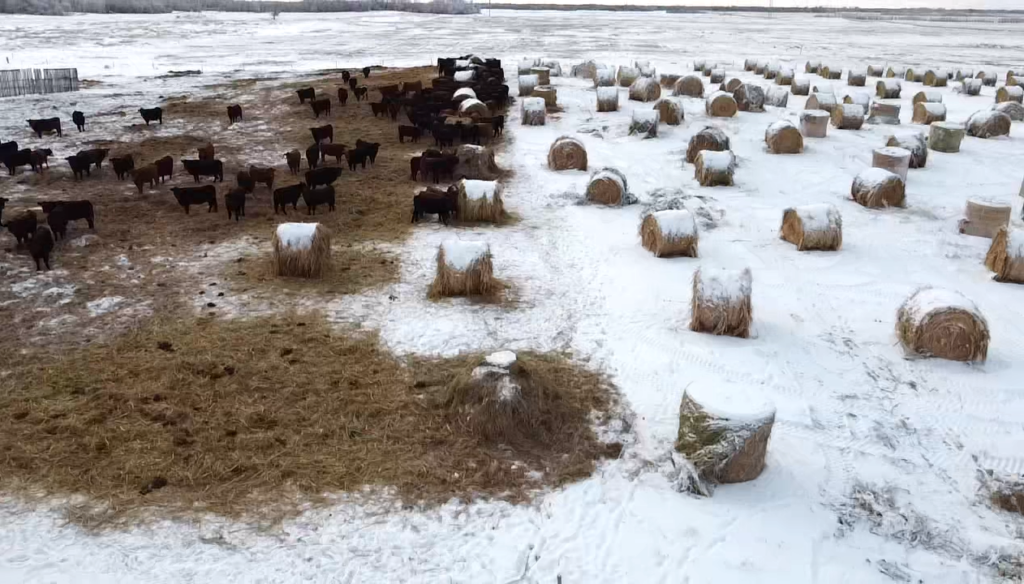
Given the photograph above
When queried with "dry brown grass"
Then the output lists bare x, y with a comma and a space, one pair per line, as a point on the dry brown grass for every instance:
254, 418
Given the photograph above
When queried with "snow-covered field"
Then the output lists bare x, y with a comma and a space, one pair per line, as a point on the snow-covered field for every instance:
873, 468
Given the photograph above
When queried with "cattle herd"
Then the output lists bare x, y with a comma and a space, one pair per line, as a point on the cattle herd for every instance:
429, 110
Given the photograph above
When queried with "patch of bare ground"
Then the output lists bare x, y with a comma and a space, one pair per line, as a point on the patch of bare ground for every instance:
257, 418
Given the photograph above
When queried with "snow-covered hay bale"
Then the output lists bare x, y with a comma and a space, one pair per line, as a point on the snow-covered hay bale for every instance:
713, 169
567, 153
720, 105
984, 218
645, 68
895, 71
689, 86
962, 74
604, 78
823, 88
771, 71
945, 136
1012, 109
892, 158
930, 96
644, 89
911, 75
670, 110
553, 66
822, 101
749, 64
988, 79
720, 304
644, 123
474, 108
480, 200
1006, 256
785, 76
526, 85
847, 116
586, 69
884, 113
812, 67
944, 324
814, 123
608, 99
776, 97
463, 93
927, 112
607, 187
876, 71
749, 98
878, 188
832, 71
888, 88
477, 163
860, 98
708, 138
1010, 93
800, 86
1014, 76
717, 75
988, 124
857, 77
543, 75
936, 78
627, 75
813, 227
668, 80
783, 137
525, 65
917, 146
698, 64
533, 111
466, 76
670, 233
464, 268
548, 93
301, 250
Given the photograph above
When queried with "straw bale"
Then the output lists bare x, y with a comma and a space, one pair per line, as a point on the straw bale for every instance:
476, 162
689, 86
1012, 76
453, 279
917, 146
604, 78
567, 153
627, 75
814, 123
927, 112
720, 303
942, 324
607, 99
984, 218
713, 169
1006, 256
812, 67
963, 74
892, 158
936, 78
1010, 93
930, 96
945, 136
888, 88
988, 79
554, 67
895, 72
548, 93
533, 111
298, 254
526, 85
857, 78
608, 186
749, 64
988, 124
821, 101
860, 98
771, 71
717, 75
698, 64
884, 113
878, 188
543, 75
783, 137
645, 123
668, 80
586, 69
912, 75
721, 105
644, 89
876, 71
474, 107
785, 76
776, 97
670, 110
801, 86
847, 116
749, 98
813, 227
480, 200
708, 138
832, 71
670, 233
1012, 109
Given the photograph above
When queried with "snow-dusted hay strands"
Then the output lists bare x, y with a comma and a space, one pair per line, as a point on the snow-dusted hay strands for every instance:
927, 112
533, 111
822, 101
548, 93
813, 227
720, 304
670, 233
888, 88
936, 78
714, 169
604, 78
708, 138
607, 186
892, 158
567, 153
988, 78
929, 96
526, 85
464, 268
644, 123
856, 77
1012, 109
1010, 93
847, 116
776, 97
771, 71
783, 137
942, 323
480, 200
730, 85
720, 105
670, 110
785, 76
814, 123
895, 71
963, 74
988, 124
876, 71
689, 86
608, 99
1006, 256
301, 250
543, 75
917, 146
878, 188
800, 86
749, 98
1013, 76
984, 218
945, 136
645, 89
884, 113
627, 75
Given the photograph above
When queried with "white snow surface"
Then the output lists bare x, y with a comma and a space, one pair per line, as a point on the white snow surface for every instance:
723, 285
926, 300
731, 403
460, 255
296, 235
103, 305
464, 92
893, 151
533, 104
717, 161
874, 177
676, 223
819, 216
479, 189
503, 359
1015, 243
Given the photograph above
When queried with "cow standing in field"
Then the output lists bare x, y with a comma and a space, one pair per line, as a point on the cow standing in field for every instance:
21, 157
306, 93
322, 133
335, 150
434, 201
198, 168
342, 96
95, 156
41, 246
40, 158
263, 175
313, 156
322, 176
146, 174
207, 152
79, 166
289, 195
187, 196
294, 159
122, 165
234, 200
234, 114
71, 211
165, 168
79, 119
366, 72
152, 115
316, 197
321, 106
45, 125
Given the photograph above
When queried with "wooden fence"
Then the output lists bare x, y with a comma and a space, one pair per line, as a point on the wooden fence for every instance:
25, 81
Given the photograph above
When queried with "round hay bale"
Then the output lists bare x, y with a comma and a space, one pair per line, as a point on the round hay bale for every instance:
777, 97
876, 71
1006, 255
706, 71
749, 64
644, 123
878, 188
689, 86
848, 116
771, 71
814, 123
644, 89
927, 112
670, 233
608, 187
984, 218
915, 76
698, 64
607, 99
821, 101
526, 85
822, 88
988, 79
554, 67
988, 124
970, 87
945, 136
717, 75
884, 113
467, 76
604, 78
714, 169
668, 80
896, 72
627, 75
1012, 109
927, 97
525, 65
708, 138
831, 71
480, 200
963, 74
474, 108
670, 110
645, 69
720, 303
860, 98
888, 88
801, 86
892, 158
464, 268
547, 93
783, 137
1010, 93
301, 250
586, 69
543, 75
936, 78
749, 98
1013, 75
567, 153
917, 146
812, 67
724, 434
720, 105
477, 163
813, 227
533, 111
857, 78
944, 324
785, 76
463, 93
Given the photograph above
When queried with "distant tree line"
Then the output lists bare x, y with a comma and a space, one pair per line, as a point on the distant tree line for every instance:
60, 7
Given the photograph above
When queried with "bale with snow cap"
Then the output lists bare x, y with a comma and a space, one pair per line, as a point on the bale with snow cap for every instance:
567, 153
698, 64
892, 158
823, 88
813, 227
668, 80
936, 78
644, 123
587, 69
917, 146
911, 75
670, 233
607, 99
301, 250
776, 97
847, 116
730, 85
1012, 109
533, 111
713, 169
526, 85
988, 79
749, 98
928, 112
860, 98
525, 65
814, 123
670, 110
464, 268
608, 187
554, 67
988, 124
822, 101
749, 64
708, 138
895, 72
473, 107
785, 76
800, 86
464, 76
627, 75
832, 71
543, 75
812, 67
480, 200
1006, 256
857, 77
720, 105
771, 71
547, 93
1012, 76
645, 69
720, 303
929, 96
689, 86
888, 88
876, 71
477, 163
963, 74
783, 137
717, 76
644, 89
944, 324
878, 188
945, 136
884, 113
604, 78
984, 218
1010, 93
463, 93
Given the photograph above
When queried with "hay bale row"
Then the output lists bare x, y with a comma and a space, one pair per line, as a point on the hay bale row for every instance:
857, 78
915, 76
936, 77
301, 250
785, 76
814, 123
876, 71
892, 158
783, 137
476, 162
963, 74
970, 87
608, 99
813, 227
988, 124
668, 80
878, 188
604, 78
689, 86
800, 86
771, 71
670, 110
944, 324
860, 98
533, 111
644, 89
812, 67
608, 186
543, 75
714, 169
720, 303
567, 153
1006, 256
717, 75
847, 116
480, 200
749, 98
988, 79
984, 218
884, 113
644, 123
832, 71
473, 107
587, 69
915, 144
548, 93
708, 138
670, 233
464, 268
720, 105
895, 71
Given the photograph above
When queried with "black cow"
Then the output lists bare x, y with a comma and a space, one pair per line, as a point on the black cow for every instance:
321, 106
95, 156
40, 158
435, 202
371, 148
353, 83
323, 133
21, 157
289, 195
7, 148
335, 150
58, 223
72, 210
360, 93
41, 246
79, 119
123, 165
322, 176
234, 200
79, 166
366, 72
313, 156
45, 125
345, 76
152, 115
22, 226
187, 196
294, 158
320, 196
234, 114
414, 167
245, 182
444, 135
357, 157
342, 96
436, 168
165, 168
307, 93
198, 168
